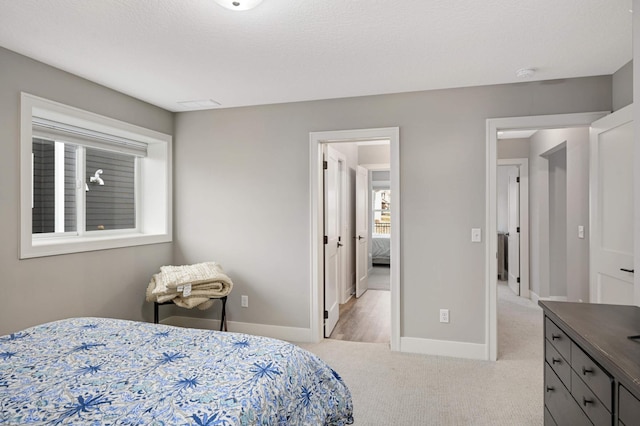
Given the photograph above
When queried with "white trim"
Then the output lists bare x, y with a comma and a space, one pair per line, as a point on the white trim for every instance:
316, 139
523, 165
491, 271
534, 297
555, 298
155, 205
291, 334
58, 187
443, 348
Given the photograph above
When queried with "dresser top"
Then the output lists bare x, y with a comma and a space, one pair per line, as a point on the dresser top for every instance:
603, 331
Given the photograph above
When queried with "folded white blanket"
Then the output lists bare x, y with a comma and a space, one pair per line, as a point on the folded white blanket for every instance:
206, 280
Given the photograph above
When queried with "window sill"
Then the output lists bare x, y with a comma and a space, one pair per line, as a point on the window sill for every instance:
42, 247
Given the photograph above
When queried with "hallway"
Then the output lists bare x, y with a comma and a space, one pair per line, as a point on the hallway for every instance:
368, 318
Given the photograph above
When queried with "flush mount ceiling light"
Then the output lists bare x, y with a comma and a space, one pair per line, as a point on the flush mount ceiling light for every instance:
238, 4
525, 72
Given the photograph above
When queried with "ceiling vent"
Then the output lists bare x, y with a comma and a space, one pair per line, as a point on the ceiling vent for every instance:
199, 104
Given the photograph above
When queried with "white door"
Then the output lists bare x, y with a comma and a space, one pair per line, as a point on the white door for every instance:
332, 240
362, 231
611, 190
513, 226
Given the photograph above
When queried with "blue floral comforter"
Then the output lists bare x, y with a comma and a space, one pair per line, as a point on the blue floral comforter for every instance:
96, 371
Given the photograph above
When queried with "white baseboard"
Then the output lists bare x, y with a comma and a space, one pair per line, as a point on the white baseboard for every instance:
556, 298
443, 348
290, 334
535, 298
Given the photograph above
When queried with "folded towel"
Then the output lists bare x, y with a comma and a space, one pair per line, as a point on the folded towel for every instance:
207, 281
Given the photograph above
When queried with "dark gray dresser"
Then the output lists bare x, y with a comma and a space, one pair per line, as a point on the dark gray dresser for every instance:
592, 367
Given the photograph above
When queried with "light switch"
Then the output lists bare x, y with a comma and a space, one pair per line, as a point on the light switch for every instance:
476, 235
580, 231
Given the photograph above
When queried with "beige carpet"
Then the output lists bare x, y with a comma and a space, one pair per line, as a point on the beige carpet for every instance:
391, 388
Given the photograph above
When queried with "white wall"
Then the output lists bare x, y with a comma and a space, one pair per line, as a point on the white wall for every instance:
622, 82
231, 163
513, 148
636, 152
577, 183
102, 283
374, 154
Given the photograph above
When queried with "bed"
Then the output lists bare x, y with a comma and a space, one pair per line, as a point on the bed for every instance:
380, 249
97, 371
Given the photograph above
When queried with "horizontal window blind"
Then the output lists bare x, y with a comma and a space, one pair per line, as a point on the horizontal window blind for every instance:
50, 129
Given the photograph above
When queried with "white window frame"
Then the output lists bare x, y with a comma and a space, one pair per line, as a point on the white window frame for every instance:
153, 200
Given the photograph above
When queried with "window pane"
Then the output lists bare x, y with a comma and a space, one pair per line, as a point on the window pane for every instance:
110, 200
54, 197
381, 213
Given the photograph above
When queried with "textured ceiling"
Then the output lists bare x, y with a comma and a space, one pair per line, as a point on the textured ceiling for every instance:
167, 51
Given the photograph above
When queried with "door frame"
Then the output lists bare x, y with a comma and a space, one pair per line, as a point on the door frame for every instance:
523, 166
316, 139
493, 125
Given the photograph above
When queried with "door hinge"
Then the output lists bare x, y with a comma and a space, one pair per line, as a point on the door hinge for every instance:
326, 314
325, 165
326, 239
518, 229
518, 179
518, 280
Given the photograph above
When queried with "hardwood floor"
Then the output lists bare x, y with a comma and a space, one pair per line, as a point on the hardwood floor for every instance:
366, 319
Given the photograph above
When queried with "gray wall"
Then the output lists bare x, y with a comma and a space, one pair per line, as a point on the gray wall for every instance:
102, 283
558, 223
242, 195
577, 211
622, 82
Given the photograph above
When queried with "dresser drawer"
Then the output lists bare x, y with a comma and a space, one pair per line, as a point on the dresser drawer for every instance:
557, 399
558, 364
628, 407
590, 404
558, 338
595, 378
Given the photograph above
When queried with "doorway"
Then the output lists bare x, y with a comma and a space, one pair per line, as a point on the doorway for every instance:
560, 121
513, 223
364, 314
317, 140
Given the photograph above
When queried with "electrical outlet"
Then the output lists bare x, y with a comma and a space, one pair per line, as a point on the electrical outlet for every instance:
244, 301
444, 315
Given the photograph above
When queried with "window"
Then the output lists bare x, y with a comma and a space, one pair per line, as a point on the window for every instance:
89, 182
381, 211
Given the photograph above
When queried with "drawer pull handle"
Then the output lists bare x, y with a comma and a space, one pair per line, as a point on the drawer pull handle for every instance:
555, 336
586, 370
556, 361
586, 401
550, 388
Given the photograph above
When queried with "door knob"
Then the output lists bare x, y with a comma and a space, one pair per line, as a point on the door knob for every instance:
627, 270
360, 237
340, 245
